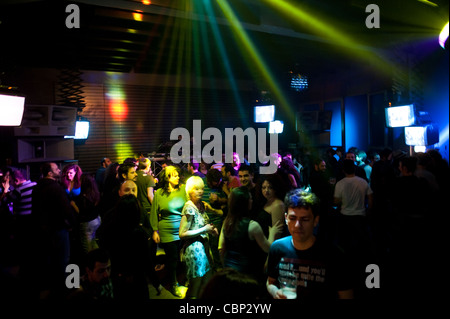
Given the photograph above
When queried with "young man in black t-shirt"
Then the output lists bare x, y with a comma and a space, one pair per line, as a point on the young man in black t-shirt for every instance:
316, 269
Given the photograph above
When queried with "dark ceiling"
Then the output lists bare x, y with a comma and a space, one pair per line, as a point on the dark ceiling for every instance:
180, 37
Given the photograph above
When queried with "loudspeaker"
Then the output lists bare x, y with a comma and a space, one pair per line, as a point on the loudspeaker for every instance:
47, 120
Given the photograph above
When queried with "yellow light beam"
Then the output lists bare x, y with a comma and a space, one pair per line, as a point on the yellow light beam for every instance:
253, 57
323, 27
225, 61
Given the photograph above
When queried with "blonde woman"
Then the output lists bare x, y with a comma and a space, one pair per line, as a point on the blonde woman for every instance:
194, 230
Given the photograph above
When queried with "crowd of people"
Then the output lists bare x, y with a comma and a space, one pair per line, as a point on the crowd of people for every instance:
315, 224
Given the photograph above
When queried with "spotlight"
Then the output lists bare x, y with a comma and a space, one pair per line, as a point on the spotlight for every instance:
443, 36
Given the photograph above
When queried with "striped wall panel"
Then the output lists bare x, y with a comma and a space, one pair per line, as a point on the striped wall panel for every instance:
127, 119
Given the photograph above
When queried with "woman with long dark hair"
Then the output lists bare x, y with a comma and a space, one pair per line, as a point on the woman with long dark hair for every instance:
242, 243
270, 203
71, 180
88, 209
165, 218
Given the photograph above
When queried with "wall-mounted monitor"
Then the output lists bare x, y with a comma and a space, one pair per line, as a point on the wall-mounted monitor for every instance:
81, 130
276, 127
422, 135
11, 110
400, 116
264, 113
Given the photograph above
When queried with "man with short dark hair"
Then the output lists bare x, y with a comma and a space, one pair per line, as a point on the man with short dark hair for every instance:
100, 173
229, 178
216, 197
54, 218
352, 154
96, 282
145, 193
322, 184
21, 195
351, 192
193, 167
317, 270
246, 178
145, 183
21, 198
351, 195
127, 171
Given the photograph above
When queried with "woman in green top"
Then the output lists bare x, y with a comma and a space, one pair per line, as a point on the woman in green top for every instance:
165, 218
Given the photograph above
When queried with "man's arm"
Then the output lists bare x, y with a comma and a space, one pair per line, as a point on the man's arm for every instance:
221, 247
150, 194
154, 220
273, 290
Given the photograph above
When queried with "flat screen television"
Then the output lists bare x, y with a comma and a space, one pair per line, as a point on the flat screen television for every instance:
400, 116
264, 113
11, 110
276, 127
422, 135
81, 130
